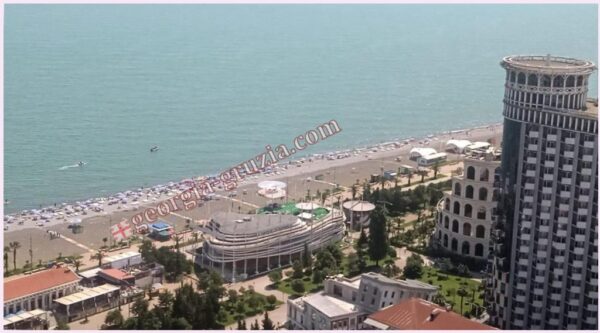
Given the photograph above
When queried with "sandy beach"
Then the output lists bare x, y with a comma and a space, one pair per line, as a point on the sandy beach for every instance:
360, 164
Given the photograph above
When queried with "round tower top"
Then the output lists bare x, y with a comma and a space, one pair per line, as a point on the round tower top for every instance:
548, 64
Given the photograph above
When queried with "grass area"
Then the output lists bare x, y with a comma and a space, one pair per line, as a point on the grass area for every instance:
289, 208
309, 286
230, 309
449, 285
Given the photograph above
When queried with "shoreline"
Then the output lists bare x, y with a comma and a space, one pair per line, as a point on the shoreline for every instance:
141, 197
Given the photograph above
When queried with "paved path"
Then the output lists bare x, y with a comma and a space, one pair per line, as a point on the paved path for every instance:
238, 201
77, 243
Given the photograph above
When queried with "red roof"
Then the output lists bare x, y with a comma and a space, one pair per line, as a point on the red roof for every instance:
416, 314
38, 282
116, 274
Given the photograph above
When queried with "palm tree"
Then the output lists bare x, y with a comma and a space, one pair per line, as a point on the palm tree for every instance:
389, 268
462, 292
422, 173
104, 240
436, 168
6, 250
14, 246
354, 190
77, 263
409, 175
99, 255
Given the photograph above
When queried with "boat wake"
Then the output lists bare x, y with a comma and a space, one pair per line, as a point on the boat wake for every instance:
78, 165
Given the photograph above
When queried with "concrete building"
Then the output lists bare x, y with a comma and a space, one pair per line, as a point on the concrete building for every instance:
240, 245
38, 290
122, 260
464, 215
358, 213
544, 272
344, 304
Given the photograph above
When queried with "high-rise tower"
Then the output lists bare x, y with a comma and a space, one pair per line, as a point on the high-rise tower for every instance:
544, 263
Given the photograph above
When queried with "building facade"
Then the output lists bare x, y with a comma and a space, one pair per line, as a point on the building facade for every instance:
544, 272
464, 215
239, 246
38, 290
344, 304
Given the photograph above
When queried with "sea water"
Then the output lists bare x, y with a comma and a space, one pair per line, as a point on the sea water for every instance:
211, 85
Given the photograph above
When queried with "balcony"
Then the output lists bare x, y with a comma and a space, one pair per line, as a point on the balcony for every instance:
566, 181
584, 198
587, 158
545, 216
532, 160
527, 211
564, 207
534, 134
547, 190
561, 233
584, 185
530, 173
563, 219
529, 186
570, 141
585, 171
581, 224
578, 251
567, 167
546, 203
551, 151
565, 194
532, 147
582, 211
569, 154
551, 137
528, 199
589, 144
577, 264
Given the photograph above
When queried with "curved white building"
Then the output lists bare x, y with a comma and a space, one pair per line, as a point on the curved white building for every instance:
241, 245
358, 213
465, 213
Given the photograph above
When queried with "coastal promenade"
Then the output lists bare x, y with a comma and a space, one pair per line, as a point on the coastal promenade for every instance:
344, 172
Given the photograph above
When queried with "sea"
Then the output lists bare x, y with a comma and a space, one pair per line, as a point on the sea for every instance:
212, 85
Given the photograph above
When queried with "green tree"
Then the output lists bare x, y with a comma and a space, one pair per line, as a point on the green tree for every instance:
378, 244
298, 271
306, 257
436, 168
354, 191
62, 325
272, 300
232, 296
352, 266
414, 267
275, 276
267, 323
362, 241
409, 175
389, 268
14, 246
114, 319
298, 286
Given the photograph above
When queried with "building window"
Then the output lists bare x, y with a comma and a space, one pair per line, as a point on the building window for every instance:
471, 173
393, 294
469, 192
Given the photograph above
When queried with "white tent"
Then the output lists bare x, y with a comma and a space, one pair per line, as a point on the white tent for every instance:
420, 152
457, 146
478, 146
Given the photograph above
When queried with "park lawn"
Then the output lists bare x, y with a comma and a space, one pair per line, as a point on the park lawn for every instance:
230, 309
431, 276
309, 286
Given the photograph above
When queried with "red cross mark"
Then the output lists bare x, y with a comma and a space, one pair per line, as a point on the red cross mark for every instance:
122, 228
